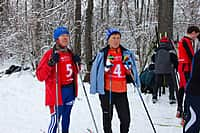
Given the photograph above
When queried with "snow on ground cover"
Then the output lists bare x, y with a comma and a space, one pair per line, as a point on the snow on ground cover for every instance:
23, 111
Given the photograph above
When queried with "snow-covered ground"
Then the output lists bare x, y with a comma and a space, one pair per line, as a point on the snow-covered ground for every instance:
23, 111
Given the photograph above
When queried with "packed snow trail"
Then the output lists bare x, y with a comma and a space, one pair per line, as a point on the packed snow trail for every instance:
23, 109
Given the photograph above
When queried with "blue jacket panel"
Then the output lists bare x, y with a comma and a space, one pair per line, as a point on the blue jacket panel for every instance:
97, 72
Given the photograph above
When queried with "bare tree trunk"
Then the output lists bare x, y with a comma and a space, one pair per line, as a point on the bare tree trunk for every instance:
135, 1
107, 12
44, 4
77, 39
102, 21
137, 12
51, 3
4, 10
36, 30
102, 5
137, 4
148, 5
88, 38
26, 15
170, 24
120, 11
137, 17
165, 17
17, 15
141, 11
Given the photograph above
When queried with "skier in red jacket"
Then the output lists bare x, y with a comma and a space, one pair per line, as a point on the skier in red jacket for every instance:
185, 55
67, 72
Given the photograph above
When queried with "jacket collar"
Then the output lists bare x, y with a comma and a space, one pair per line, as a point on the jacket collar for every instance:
105, 51
186, 37
107, 47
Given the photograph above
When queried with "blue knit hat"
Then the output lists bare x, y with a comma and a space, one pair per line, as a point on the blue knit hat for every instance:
111, 31
60, 31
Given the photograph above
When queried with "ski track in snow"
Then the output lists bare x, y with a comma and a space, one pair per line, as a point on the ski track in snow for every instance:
23, 110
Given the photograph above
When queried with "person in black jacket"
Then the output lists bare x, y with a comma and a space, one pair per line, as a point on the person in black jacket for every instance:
192, 100
165, 62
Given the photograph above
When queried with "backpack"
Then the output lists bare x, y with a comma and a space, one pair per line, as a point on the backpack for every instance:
162, 60
147, 79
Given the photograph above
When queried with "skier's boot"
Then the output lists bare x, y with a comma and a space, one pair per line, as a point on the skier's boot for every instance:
179, 113
172, 100
154, 100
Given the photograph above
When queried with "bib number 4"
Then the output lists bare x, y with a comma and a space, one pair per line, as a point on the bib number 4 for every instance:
117, 70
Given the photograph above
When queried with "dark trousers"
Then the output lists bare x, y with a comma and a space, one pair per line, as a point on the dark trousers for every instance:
192, 114
159, 79
180, 94
120, 101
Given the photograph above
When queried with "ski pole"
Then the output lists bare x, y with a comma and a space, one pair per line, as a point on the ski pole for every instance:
144, 104
57, 115
108, 68
176, 82
89, 105
177, 79
110, 96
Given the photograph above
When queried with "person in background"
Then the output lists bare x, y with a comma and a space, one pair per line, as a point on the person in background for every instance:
108, 79
67, 84
185, 55
192, 100
165, 64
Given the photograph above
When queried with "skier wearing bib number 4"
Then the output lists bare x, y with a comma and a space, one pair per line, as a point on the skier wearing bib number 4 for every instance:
110, 69
64, 60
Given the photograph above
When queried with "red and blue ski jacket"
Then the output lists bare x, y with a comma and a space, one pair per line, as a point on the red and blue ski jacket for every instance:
46, 73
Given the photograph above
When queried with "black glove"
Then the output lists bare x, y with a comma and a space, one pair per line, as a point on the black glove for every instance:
127, 65
54, 59
77, 59
174, 60
153, 58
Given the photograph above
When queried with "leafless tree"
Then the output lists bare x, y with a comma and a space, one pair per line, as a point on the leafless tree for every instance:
88, 37
27, 25
165, 17
77, 36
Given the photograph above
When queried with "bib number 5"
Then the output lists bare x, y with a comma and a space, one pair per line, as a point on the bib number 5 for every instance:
69, 70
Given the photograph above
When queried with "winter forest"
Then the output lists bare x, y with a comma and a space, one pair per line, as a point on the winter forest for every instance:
26, 33
27, 25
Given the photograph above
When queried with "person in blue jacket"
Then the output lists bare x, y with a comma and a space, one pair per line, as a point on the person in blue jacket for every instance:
110, 69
